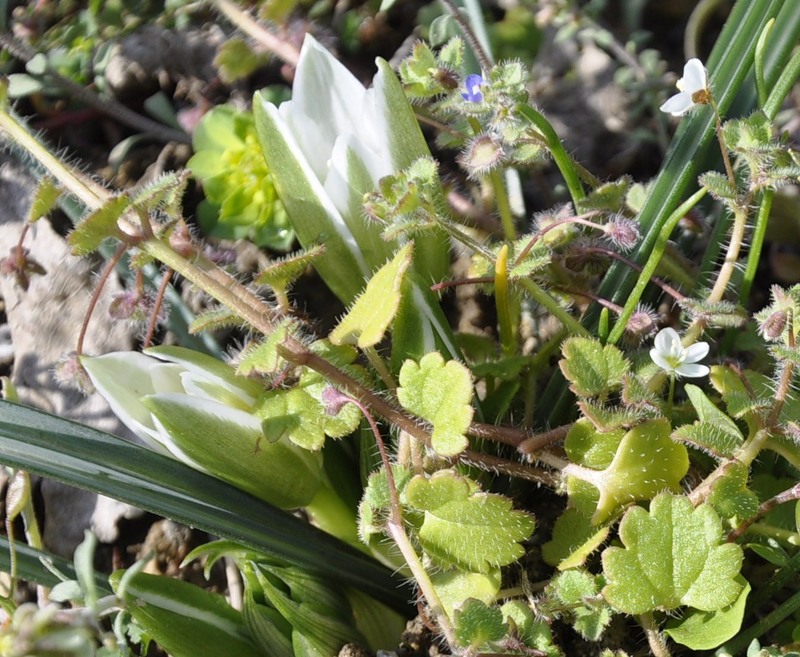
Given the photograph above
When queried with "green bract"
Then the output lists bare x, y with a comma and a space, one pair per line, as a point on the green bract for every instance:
674, 556
241, 201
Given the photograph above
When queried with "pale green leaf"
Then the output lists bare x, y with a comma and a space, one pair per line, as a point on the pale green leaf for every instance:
440, 393
580, 592
478, 624
574, 539
593, 369
463, 526
366, 322
454, 586
675, 555
98, 226
263, 357
646, 462
730, 496
705, 630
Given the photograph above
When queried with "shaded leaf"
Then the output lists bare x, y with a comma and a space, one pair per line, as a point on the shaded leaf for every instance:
593, 369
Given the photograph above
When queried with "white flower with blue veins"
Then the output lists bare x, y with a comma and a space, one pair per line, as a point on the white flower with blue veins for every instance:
693, 88
672, 357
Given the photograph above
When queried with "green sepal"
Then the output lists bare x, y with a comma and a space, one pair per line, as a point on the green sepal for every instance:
212, 320
165, 193
593, 369
299, 414
184, 619
608, 197
280, 273
234, 449
477, 624
99, 225
706, 630
534, 633
675, 555
718, 186
368, 319
462, 525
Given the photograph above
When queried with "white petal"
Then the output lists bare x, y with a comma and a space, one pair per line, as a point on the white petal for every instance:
659, 360
666, 340
695, 77
692, 370
123, 378
327, 101
697, 351
678, 104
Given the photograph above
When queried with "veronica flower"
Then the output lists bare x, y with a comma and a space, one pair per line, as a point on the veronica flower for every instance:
473, 84
693, 88
671, 356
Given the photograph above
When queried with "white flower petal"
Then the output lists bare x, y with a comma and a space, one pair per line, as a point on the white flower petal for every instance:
665, 341
695, 77
697, 351
678, 104
692, 370
123, 378
659, 360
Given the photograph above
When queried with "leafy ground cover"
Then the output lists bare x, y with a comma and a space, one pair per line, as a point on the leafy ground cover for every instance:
480, 318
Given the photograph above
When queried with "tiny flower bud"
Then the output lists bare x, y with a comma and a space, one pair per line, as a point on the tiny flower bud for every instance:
69, 373
481, 156
773, 326
124, 304
622, 233
447, 78
180, 239
641, 325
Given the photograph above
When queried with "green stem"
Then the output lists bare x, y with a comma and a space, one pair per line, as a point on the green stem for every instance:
656, 640
503, 206
756, 244
330, 513
502, 297
562, 159
544, 299
652, 263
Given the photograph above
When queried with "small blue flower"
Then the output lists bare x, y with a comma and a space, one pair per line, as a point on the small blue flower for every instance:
473, 83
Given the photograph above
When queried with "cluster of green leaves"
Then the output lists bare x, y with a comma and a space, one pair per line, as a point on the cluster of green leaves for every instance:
639, 536
240, 198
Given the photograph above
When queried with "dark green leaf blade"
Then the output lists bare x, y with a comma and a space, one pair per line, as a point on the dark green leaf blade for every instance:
86, 458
